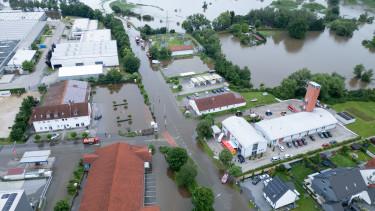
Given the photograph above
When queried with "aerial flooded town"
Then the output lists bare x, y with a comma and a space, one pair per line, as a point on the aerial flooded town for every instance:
149, 105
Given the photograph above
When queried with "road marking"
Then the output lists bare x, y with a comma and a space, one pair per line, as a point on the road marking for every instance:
169, 139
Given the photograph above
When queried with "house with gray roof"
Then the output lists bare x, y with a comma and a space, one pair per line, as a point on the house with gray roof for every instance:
279, 194
336, 188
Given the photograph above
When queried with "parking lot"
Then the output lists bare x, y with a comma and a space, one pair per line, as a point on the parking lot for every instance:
255, 194
189, 88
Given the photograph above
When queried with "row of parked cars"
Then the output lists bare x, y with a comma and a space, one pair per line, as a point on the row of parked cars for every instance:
259, 178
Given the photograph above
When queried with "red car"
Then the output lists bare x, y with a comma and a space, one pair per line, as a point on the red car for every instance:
292, 109
325, 145
91, 140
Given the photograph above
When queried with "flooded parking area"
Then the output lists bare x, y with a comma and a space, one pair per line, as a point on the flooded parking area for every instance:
187, 65
122, 109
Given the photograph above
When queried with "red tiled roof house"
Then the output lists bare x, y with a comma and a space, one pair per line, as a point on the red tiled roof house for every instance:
217, 103
116, 179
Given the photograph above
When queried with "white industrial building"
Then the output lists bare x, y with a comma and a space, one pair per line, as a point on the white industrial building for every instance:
96, 35
243, 137
80, 72
207, 79
66, 105
296, 126
85, 53
82, 25
15, 63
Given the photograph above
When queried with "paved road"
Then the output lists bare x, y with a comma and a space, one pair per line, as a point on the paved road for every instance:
31, 81
170, 119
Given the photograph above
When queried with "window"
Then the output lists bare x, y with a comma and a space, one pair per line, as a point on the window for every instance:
79, 64
98, 62
82, 124
77, 125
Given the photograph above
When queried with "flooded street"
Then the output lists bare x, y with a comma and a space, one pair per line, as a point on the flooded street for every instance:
115, 104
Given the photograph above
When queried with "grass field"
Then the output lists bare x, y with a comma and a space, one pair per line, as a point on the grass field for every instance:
371, 148
261, 100
342, 160
123, 5
314, 7
285, 4
170, 40
364, 113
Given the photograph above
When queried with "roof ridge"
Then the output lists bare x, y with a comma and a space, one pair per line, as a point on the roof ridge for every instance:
117, 146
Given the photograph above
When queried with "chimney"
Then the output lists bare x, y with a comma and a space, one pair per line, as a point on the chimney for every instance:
311, 97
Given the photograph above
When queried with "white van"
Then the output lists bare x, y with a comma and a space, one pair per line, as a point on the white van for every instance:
275, 158
282, 149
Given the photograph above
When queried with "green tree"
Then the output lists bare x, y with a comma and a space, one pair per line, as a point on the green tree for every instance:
222, 22
113, 76
367, 76
154, 52
42, 88
37, 137
196, 22
287, 89
358, 71
49, 137
235, 171
298, 28
84, 135
131, 63
225, 157
62, 205
343, 27
176, 157
165, 53
202, 199
28, 66
186, 175
73, 135
204, 129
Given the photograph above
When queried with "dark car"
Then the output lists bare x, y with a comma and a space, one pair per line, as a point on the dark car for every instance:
320, 135
300, 143
214, 91
241, 158
325, 135
304, 142
256, 180
222, 90
295, 143
329, 134
311, 138
288, 144
333, 142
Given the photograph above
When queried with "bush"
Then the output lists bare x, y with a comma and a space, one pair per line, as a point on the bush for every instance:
73, 135
186, 175
176, 157
202, 199
62, 205
163, 149
225, 157
152, 148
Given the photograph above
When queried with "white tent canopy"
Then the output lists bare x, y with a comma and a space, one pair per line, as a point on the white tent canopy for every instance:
35, 156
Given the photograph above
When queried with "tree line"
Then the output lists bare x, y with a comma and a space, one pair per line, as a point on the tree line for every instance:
200, 28
129, 61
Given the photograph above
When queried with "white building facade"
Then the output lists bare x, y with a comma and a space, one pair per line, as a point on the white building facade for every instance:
61, 124
243, 135
296, 126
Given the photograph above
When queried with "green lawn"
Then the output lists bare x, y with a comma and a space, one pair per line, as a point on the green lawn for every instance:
123, 5
371, 148
300, 172
285, 4
261, 100
362, 156
307, 203
313, 6
365, 116
342, 160
171, 40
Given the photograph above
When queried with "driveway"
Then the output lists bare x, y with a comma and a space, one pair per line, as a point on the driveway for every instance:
255, 193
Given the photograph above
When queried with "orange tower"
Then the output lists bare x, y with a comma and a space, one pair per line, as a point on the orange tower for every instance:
311, 97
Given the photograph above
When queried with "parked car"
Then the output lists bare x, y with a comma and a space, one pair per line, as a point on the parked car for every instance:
222, 90
241, 158
55, 136
320, 135
91, 140
213, 91
299, 142
281, 148
265, 182
286, 156
311, 138
264, 176
256, 180
224, 179
325, 135
333, 142
325, 145
196, 94
329, 134
304, 142
275, 158
288, 144
295, 143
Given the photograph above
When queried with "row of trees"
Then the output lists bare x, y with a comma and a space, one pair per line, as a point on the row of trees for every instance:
370, 44
362, 74
130, 62
162, 53
21, 122
185, 172
30, 5
200, 28
294, 86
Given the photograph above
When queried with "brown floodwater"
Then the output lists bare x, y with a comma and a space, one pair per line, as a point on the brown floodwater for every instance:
128, 101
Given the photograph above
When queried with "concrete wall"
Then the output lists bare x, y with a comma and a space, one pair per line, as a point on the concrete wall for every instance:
183, 53
108, 61
224, 108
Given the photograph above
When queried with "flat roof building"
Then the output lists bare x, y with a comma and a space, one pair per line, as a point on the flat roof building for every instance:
247, 140
96, 35
79, 72
296, 125
14, 200
81, 25
85, 53
15, 63
7, 49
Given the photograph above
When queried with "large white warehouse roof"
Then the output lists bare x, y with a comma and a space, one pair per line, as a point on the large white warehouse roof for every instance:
245, 134
80, 70
293, 124
96, 35
84, 24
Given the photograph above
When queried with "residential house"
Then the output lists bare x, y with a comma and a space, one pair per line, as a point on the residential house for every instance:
279, 194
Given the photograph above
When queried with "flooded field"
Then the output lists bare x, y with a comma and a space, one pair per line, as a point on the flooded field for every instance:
178, 66
115, 104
